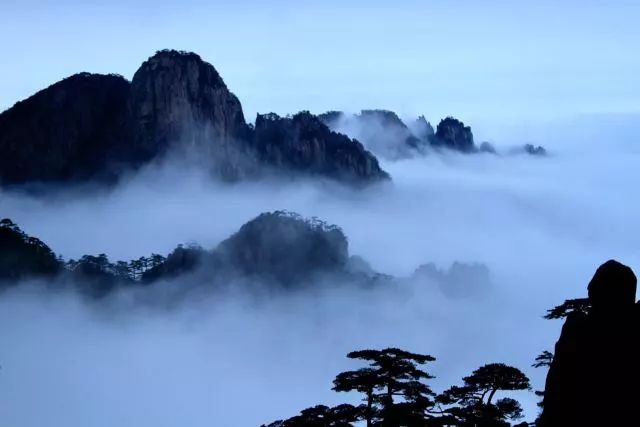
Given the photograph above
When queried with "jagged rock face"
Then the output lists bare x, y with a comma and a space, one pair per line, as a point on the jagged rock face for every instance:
284, 248
594, 375
178, 98
71, 130
304, 143
23, 256
453, 134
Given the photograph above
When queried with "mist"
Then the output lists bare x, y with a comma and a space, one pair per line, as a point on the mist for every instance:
540, 225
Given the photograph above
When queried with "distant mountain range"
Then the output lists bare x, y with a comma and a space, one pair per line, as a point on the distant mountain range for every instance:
96, 127
275, 251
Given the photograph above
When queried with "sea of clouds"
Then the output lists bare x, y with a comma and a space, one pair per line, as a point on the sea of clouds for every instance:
541, 226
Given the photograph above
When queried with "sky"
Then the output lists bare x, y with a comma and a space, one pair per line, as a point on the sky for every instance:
490, 63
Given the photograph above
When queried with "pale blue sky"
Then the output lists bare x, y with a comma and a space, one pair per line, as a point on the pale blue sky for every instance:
483, 61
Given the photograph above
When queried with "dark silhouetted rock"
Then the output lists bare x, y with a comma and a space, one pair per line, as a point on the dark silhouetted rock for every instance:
23, 256
303, 143
451, 133
72, 130
594, 377
612, 288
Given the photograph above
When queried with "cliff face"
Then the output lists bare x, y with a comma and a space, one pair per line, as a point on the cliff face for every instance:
176, 98
594, 375
304, 143
453, 134
71, 130
96, 125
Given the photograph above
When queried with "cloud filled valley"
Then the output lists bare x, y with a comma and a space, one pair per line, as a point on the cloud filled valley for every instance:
539, 225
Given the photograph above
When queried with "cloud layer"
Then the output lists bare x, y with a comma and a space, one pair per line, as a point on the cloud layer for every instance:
540, 225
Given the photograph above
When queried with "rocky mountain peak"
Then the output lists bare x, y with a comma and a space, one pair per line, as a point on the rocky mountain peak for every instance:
453, 134
176, 96
612, 287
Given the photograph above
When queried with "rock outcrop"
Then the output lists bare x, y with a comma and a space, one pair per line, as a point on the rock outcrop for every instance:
451, 133
303, 143
178, 99
91, 125
593, 379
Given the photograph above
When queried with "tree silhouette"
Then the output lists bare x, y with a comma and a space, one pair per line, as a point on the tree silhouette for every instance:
472, 404
392, 374
23, 256
577, 305
321, 416
544, 359
365, 381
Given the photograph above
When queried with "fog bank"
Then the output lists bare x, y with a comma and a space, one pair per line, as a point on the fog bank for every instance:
541, 225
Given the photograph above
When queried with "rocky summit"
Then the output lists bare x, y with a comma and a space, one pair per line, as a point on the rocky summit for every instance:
597, 351
92, 126
453, 134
